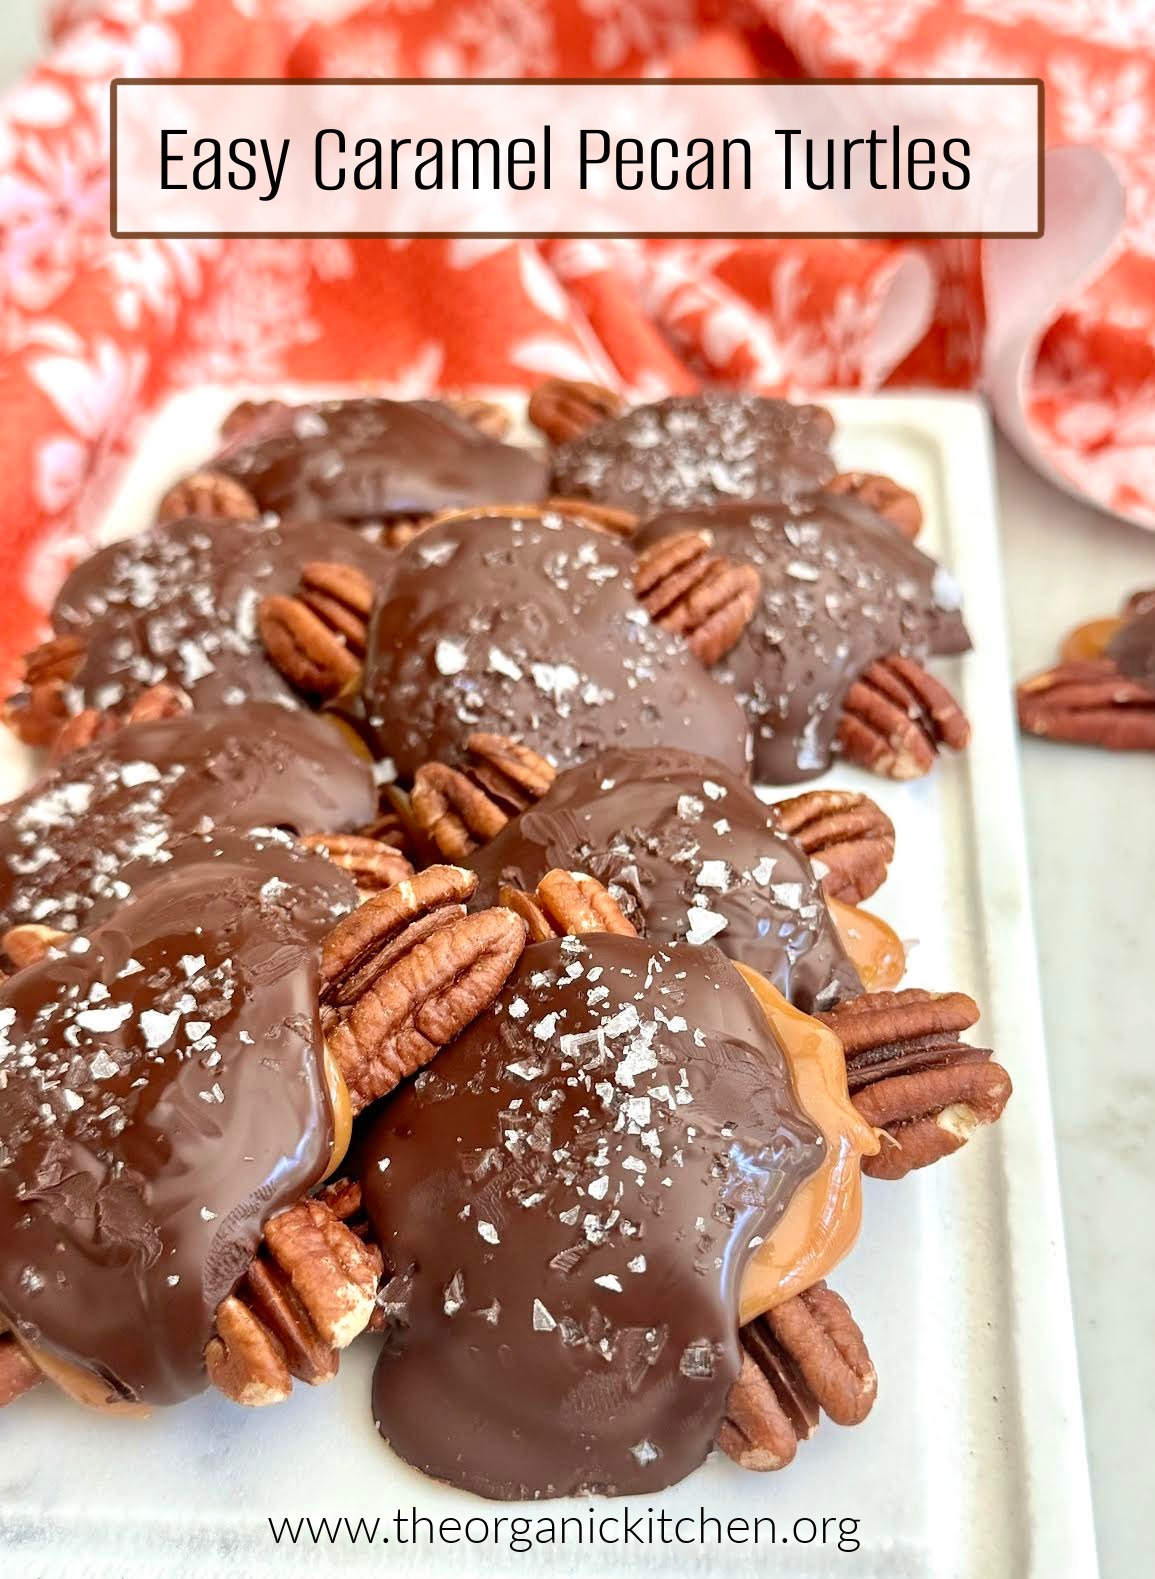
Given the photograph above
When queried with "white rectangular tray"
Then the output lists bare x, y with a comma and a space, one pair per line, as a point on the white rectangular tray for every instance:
972, 1463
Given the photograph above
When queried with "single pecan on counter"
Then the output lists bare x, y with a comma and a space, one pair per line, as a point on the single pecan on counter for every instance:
1102, 690
912, 1078
804, 1358
848, 837
884, 496
896, 717
706, 597
566, 904
316, 639
564, 408
401, 977
454, 810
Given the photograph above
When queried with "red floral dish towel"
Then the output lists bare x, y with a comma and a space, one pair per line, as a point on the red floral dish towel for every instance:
1060, 332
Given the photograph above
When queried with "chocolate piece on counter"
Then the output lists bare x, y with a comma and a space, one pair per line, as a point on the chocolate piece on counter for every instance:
178, 604
365, 461
64, 842
689, 852
1133, 649
840, 589
164, 1097
529, 627
568, 1197
698, 450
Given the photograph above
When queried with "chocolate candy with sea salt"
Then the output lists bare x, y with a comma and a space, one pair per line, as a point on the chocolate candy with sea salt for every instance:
528, 626
689, 852
177, 605
698, 450
366, 461
568, 1197
840, 589
164, 1096
64, 842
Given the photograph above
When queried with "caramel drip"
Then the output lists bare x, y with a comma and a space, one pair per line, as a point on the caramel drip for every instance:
1090, 640
341, 1109
84, 1386
874, 947
821, 1223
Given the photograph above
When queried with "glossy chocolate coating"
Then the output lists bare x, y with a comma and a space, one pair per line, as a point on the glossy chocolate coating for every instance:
567, 1196
178, 604
369, 460
1133, 649
64, 842
530, 627
840, 589
164, 1097
698, 450
687, 849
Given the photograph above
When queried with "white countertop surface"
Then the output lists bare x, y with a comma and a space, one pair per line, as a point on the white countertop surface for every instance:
1092, 854
1092, 850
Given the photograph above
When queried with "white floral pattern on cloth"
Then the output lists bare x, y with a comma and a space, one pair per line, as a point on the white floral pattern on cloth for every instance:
92, 332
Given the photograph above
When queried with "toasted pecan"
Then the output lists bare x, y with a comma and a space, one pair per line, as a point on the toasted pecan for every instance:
801, 1359
884, 496
847, 835
1088, 702
309, 1291
458, 809
564, 408
155, 703
566, 904
18, 1374
209, 493
706, 597
317, 638
911, 1076
407, 971
895, 718
38, 711
373, 864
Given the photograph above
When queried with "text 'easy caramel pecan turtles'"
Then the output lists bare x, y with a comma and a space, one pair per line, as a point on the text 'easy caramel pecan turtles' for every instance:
527, 626
567, 1198
831, 655
689, 852
175, 605
368, 462
180, 1076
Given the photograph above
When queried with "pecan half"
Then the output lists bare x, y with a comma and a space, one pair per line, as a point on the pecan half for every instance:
896, 717
39, 710
18, 1374
804, 1358
372, 863
408, 970
209, 493
1088, 702
566, 904
457, 809
910, 1076
882, 495
704, 596
91, 724
317, 638
847, 835
311, 1288
564, 408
